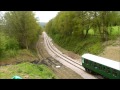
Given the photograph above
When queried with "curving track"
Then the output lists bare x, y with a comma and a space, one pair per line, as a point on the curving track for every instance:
65, 60
60, 70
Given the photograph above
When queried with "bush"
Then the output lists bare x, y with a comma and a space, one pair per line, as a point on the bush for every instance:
10, 53
2, 43
8, 46
80, 46
12, 44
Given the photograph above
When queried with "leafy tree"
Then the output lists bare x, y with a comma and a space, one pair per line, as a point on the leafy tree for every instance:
23, 26
78, 23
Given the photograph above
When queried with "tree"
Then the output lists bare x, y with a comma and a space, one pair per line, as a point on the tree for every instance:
23, 26
78, 23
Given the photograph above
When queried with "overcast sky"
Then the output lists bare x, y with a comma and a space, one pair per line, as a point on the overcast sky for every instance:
45, 16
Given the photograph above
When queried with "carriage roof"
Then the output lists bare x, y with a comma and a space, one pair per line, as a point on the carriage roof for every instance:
101, 60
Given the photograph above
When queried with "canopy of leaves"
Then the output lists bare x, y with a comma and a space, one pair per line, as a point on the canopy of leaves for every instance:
83, 31
78, 23
23, 26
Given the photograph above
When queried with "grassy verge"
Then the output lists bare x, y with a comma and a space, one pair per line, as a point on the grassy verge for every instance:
80, 46
21, 56
91, 44
26, 70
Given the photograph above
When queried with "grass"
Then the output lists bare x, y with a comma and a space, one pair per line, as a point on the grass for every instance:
91, 44
8, 54
26, 70
80, 46
115, 30
21, 55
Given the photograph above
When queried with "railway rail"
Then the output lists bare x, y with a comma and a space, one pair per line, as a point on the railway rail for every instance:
60, 70
69, 60
59, 54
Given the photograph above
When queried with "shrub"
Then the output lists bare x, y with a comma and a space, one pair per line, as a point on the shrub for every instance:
8, 46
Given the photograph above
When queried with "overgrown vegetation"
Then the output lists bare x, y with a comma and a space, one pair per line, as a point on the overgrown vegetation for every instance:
26, 70
23, 26
8, 46
84, 31
18, 30
87, 45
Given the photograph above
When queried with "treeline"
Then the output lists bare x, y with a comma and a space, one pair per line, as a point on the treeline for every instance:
18, 30
70, 28
78, 23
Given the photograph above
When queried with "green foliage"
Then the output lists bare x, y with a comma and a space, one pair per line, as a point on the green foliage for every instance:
18, 30
12, 44
8, 46
84, 31
88, 45
10, 53
79, 23
2, 42
32, 71
23, 26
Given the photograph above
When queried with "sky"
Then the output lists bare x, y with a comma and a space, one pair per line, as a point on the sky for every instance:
45, 16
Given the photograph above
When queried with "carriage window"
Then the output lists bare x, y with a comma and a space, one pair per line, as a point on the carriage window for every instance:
86, 61
107, 70
83, 60
95, 64
90, 63
103, 68
114, 72
99, 66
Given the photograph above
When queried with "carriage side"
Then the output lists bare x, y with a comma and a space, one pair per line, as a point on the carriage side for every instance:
104, 67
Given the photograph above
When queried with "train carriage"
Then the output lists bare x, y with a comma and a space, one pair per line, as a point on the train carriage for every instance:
105, 67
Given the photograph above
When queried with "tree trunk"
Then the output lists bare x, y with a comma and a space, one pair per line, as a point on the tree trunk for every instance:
26, 45
86, 33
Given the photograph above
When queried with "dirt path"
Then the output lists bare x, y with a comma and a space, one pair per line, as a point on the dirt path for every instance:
112, 50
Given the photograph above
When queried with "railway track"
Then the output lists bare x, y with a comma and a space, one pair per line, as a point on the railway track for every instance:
59, 69
65, 58
39, 51
59, 54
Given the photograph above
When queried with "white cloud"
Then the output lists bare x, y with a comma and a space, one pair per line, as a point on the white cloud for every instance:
45, 16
